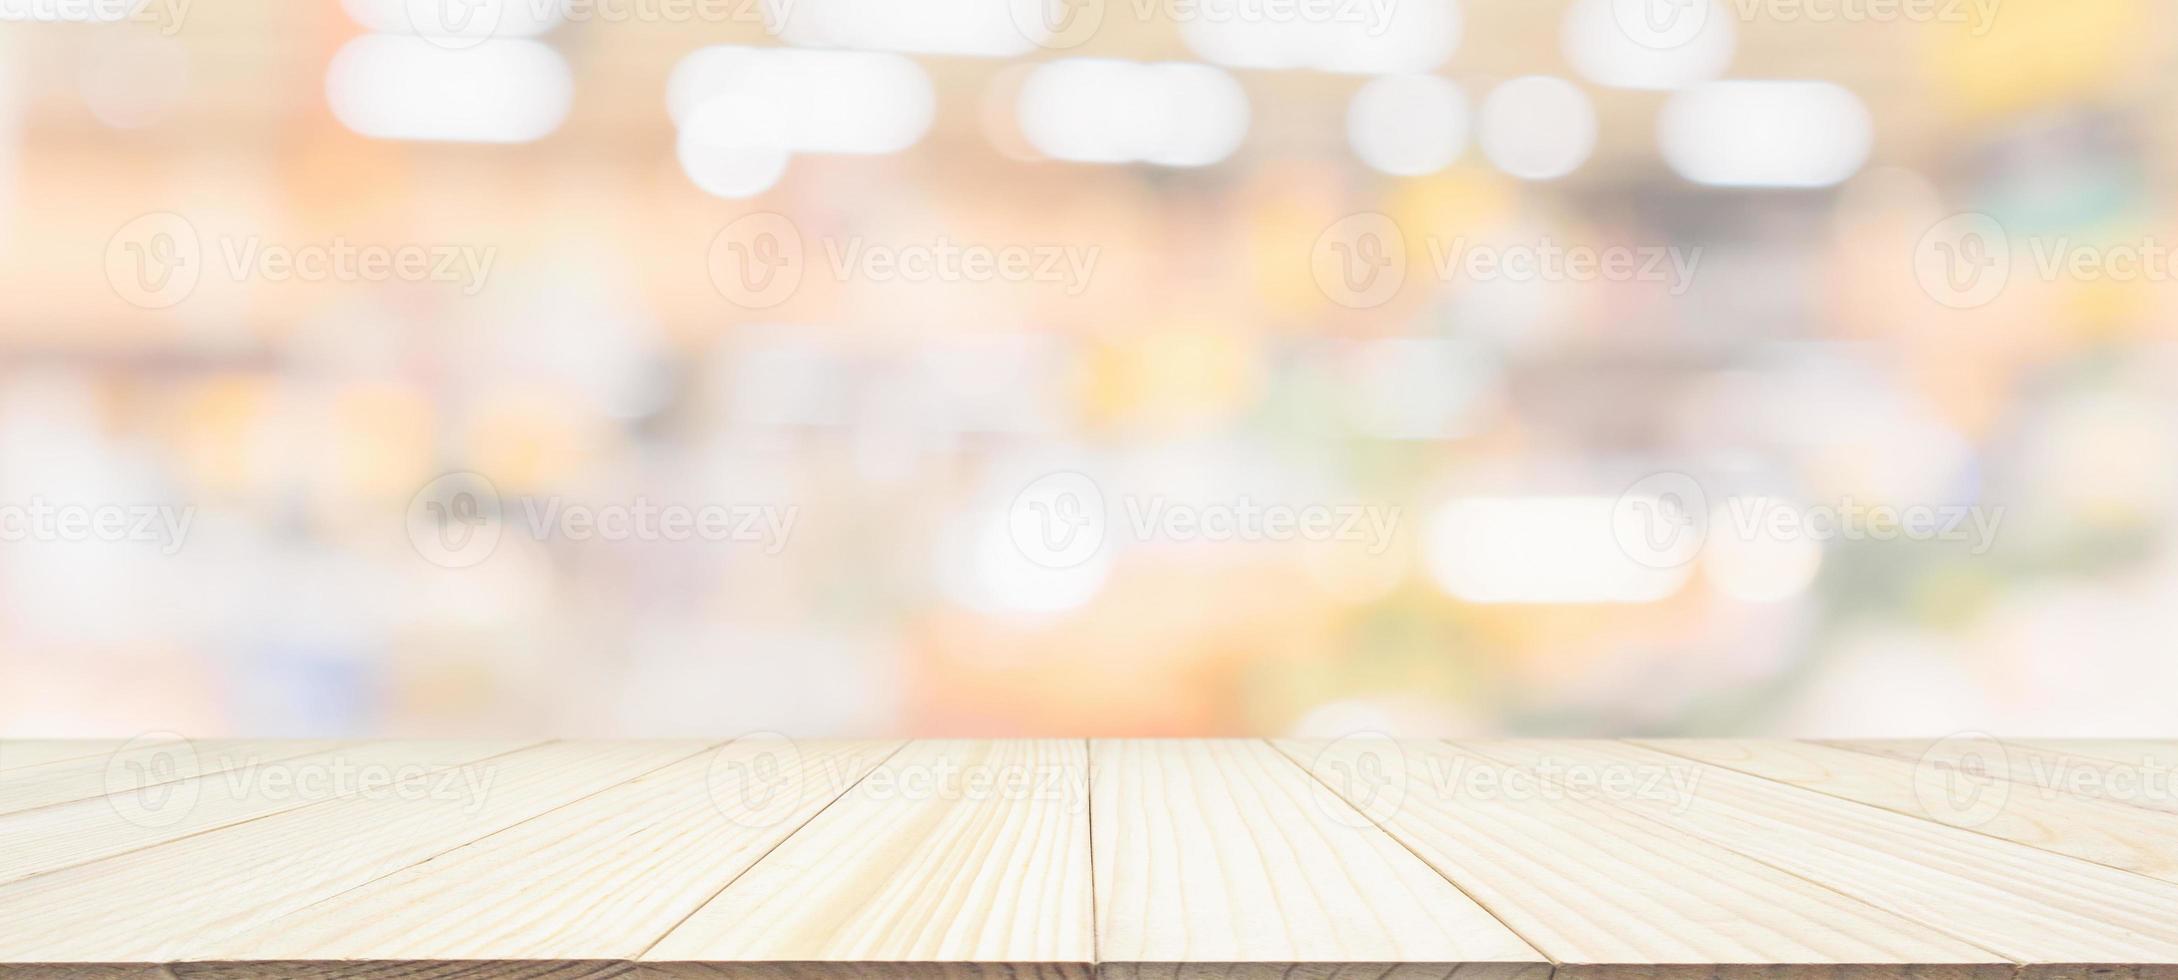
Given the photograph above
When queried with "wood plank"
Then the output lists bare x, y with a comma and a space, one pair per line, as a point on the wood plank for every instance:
2106, 833
954, 859
151, 906
139, 764
575, 892
16, 753
2137, 774
2060, 917
54, 837
1609, 894
1226, 859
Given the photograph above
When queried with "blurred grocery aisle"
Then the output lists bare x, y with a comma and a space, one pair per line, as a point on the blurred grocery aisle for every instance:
1356, 342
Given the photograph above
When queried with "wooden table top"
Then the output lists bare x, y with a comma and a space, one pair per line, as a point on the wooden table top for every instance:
1365, 858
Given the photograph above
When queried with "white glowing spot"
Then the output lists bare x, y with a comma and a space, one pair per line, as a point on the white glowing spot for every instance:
990, 28
726, 170
396, 87
981, 566
1746, 558
801, 101
1539, 550
1766, 134
1364, 38
1635, 52
130, 81
458, 22
1408, 125
1537, 127
1096, 110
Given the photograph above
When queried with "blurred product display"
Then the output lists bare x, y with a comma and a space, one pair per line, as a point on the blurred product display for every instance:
995, 367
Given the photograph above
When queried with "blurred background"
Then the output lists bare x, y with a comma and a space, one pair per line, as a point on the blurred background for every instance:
1108, 367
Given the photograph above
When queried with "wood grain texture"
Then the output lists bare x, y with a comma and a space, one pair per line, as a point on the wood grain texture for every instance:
1226, 859
154, 906
1936, 788
1607, 893
55, 837
15, 753
2057, 916
952, 859
600, 879
138, 765
763, 859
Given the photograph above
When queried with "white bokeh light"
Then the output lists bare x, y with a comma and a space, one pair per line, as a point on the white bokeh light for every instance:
1098, 110
1537, 127
1408, 125
1633, 52
400, 87
458, 22
1766, 134
1356, 38
802, 101
990, 28
130, 81
1539, 550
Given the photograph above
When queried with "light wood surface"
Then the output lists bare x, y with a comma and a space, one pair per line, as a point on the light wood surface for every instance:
142, 764
950, 853
55, 837
1607, 893
1359, 859
1224, 859
2102, 831
15, 753
2052, 914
